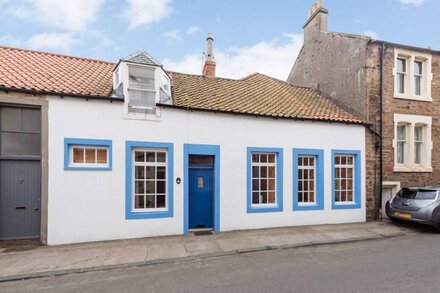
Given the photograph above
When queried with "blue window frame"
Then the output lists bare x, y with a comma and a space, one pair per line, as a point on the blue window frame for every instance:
346, 179
157, 149
80, 145
260, 180
308, 179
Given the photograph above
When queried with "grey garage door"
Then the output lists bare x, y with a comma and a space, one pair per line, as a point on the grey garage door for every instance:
20, 172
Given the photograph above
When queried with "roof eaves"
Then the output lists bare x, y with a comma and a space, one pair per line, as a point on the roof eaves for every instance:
61, 94
407, 47
355, 121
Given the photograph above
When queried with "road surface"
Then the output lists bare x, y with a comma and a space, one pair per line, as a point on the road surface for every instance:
400, 264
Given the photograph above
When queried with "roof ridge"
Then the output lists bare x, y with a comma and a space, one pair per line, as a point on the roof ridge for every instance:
201, 76
281, 81
56, 54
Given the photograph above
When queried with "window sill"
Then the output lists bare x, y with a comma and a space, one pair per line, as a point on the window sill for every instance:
263, 209
85, 168
345, 206
148, 215
413, 169
307, 207
413, 97
141, 116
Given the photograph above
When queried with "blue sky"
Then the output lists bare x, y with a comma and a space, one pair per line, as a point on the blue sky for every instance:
250, 35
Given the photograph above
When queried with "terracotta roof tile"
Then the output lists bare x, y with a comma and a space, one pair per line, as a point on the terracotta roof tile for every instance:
256, 94
47, 72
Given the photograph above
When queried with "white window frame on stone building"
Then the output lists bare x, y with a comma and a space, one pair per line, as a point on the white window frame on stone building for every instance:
416, 84
405, 146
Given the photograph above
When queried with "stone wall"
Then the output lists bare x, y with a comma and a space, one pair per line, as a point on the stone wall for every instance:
410, 107
333, 63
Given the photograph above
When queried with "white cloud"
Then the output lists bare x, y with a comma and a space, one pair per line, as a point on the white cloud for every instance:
274, 58
52, 41
412, 2
371, 34
173, 36
193, 29
70, 15
141, 12
9, 40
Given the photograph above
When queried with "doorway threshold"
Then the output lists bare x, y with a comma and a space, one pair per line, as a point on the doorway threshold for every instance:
201, 231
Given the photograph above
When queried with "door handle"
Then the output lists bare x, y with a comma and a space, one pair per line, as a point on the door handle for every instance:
36, 209
20, 208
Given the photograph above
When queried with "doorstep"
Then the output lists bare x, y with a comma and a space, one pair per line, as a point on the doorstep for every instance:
43, 261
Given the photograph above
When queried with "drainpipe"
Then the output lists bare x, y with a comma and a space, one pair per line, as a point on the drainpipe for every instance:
382, 74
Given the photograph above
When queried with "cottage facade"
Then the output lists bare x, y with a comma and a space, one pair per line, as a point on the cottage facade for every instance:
394, 87
104, 151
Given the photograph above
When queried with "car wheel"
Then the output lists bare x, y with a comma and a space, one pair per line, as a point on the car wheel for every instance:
395, 220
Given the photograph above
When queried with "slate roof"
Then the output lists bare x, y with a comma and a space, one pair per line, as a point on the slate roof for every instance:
256, 94
141, 57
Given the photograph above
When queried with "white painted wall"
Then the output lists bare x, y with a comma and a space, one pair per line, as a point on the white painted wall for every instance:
90, 205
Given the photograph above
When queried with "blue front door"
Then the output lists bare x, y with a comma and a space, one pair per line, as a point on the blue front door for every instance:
201, 197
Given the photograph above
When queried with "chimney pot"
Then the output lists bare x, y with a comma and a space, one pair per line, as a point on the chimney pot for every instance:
209, 66
319, 4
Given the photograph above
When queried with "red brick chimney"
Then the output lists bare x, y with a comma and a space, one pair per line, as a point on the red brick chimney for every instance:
209, 66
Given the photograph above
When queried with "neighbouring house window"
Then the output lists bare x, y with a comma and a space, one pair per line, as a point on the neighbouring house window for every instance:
87, 154
20, 132
413, 76
149, 185
346, 177
418, 144
141, 89
264, 178
265, 183
401, 143
150, 179
401, 75
412, 143
308, 179
418, 75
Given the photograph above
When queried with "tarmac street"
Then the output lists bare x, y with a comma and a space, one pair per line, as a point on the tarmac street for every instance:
408, 263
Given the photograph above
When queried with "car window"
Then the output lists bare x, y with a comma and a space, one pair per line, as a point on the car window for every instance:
417, 194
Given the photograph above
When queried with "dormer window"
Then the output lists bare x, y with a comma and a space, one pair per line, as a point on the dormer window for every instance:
143, 83
141, 89
165, 90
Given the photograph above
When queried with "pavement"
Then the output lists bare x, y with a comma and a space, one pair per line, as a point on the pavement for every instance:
29, 260
407, 263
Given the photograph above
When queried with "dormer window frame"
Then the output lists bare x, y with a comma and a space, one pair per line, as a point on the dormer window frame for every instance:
143, 88
148, 79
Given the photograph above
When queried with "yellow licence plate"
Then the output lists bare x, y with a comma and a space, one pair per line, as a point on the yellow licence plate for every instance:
403, 215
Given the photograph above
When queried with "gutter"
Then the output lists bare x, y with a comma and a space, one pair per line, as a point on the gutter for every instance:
37, 92
188, 108
407, 47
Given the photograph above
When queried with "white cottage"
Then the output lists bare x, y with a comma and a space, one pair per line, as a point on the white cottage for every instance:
93, 150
